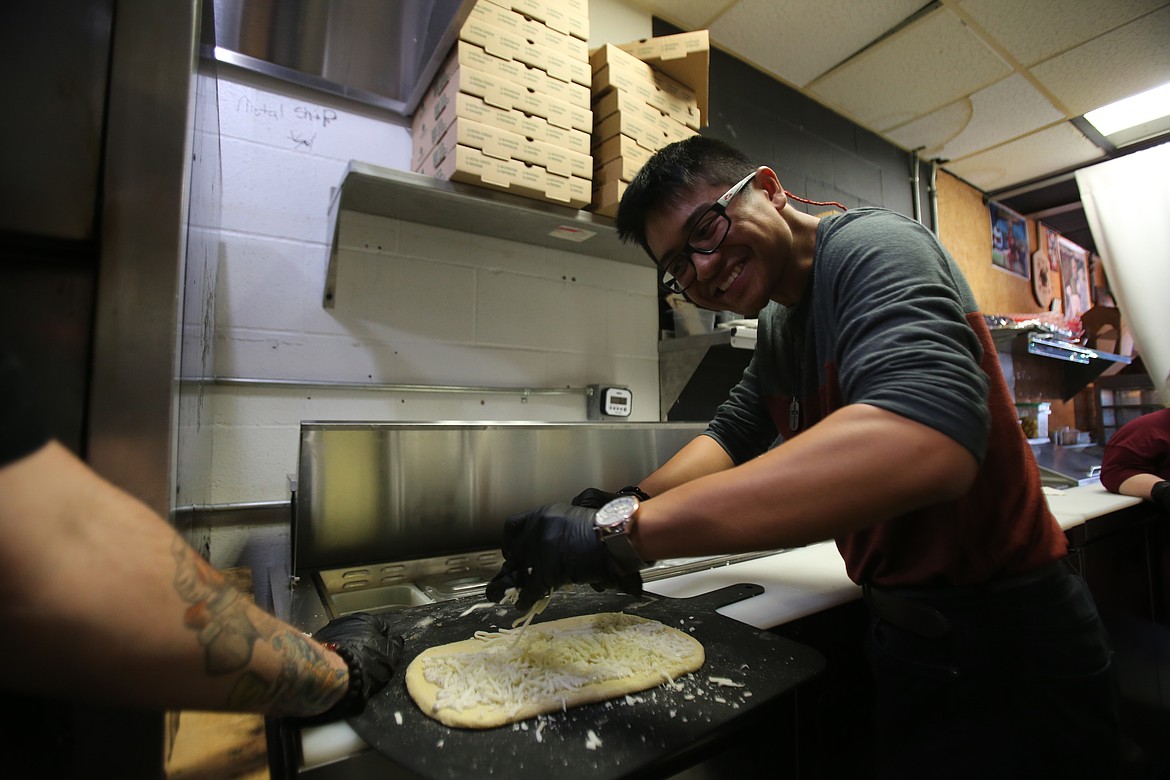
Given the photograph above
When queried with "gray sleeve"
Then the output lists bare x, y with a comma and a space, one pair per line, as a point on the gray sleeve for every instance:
904, 343
742, 426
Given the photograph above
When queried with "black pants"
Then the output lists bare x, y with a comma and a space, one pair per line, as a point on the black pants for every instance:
1010, 680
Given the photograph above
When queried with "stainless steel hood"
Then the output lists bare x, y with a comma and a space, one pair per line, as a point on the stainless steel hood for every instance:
379, 52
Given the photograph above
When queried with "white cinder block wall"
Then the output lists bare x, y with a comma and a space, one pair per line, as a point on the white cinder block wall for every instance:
414, 304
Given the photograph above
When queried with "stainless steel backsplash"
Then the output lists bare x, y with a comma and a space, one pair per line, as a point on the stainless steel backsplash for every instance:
374, 492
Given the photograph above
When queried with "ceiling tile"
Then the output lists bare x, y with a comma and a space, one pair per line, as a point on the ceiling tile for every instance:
930, 63
981, 84
1035, 30
1055, 149
798, 40
1007, 109
1121, 63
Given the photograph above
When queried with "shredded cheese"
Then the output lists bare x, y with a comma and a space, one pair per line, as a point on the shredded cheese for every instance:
510, 675
536, 609
725, 682
474, 607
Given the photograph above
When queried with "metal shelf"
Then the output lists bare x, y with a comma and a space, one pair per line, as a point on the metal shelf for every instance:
1078, 365
412, 197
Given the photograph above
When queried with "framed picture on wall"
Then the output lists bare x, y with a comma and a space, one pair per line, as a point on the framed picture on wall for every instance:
1050, 243
1010, 249
1075, 291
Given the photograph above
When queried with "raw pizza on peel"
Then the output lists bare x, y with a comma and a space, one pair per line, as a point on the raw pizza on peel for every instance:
499, 678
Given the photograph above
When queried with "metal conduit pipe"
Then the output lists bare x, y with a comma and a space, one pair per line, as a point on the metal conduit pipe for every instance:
312, 384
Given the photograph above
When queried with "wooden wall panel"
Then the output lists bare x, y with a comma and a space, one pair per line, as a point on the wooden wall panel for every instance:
965, 230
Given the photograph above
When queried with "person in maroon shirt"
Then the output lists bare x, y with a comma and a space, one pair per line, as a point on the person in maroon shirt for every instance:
1137, 459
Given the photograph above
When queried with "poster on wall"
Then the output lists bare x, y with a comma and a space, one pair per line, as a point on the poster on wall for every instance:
1009, 241
1075, 291
1046, 268
1050, 242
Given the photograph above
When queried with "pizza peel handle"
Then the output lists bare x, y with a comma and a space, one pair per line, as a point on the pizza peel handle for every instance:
714, 599
636, 733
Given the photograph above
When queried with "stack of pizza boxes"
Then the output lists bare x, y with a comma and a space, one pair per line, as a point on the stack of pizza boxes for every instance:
646, 94
510, 107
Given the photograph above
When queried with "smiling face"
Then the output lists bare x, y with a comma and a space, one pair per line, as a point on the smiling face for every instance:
765, 255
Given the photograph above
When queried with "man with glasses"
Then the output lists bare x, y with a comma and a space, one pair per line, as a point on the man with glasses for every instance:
873, 413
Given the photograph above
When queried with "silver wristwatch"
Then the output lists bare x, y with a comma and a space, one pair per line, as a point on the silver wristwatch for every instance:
613, 524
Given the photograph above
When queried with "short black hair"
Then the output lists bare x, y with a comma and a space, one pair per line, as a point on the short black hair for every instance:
673, 170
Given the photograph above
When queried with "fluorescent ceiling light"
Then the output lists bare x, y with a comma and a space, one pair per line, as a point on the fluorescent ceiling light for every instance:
1135, 118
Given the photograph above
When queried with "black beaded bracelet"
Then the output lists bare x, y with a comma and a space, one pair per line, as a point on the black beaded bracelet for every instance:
634, 490
351, 702
354, 699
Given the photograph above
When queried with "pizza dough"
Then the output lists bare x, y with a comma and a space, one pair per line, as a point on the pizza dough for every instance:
498, 678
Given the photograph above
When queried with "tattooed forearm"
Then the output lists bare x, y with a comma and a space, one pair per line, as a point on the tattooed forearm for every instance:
306, 684
299, 679
215, 611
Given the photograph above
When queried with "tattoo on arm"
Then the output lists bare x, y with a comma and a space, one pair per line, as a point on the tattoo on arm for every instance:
215, 612
304, 682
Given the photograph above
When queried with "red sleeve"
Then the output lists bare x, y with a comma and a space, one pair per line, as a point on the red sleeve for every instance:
1141, 446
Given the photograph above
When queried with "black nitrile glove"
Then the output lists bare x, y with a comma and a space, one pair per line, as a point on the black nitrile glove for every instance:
551, 546
1160, 495
595, 498
364, 641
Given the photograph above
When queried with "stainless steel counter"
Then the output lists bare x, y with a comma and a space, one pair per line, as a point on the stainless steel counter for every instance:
1068, 466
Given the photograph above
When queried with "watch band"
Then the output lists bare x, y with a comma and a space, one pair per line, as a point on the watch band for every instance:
634, 490
616, 537
622, 549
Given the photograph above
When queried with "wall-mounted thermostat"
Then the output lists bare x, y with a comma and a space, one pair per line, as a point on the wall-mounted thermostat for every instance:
606, 402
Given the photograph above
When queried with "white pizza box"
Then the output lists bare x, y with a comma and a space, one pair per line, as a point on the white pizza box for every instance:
620, 168
469, 55
614, 68
567, 16
506, 145
620, 101
510, 45
471, 166
606, 196
615, 146
530, 28
498, 91
651, 135
439, 110
685, 56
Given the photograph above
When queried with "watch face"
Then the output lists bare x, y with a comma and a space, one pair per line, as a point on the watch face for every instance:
616, 512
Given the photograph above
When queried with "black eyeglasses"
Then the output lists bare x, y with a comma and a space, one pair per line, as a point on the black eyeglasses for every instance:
678, 273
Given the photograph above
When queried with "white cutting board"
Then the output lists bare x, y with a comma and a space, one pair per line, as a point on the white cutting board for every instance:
796, 583
1075, 505
807, 580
